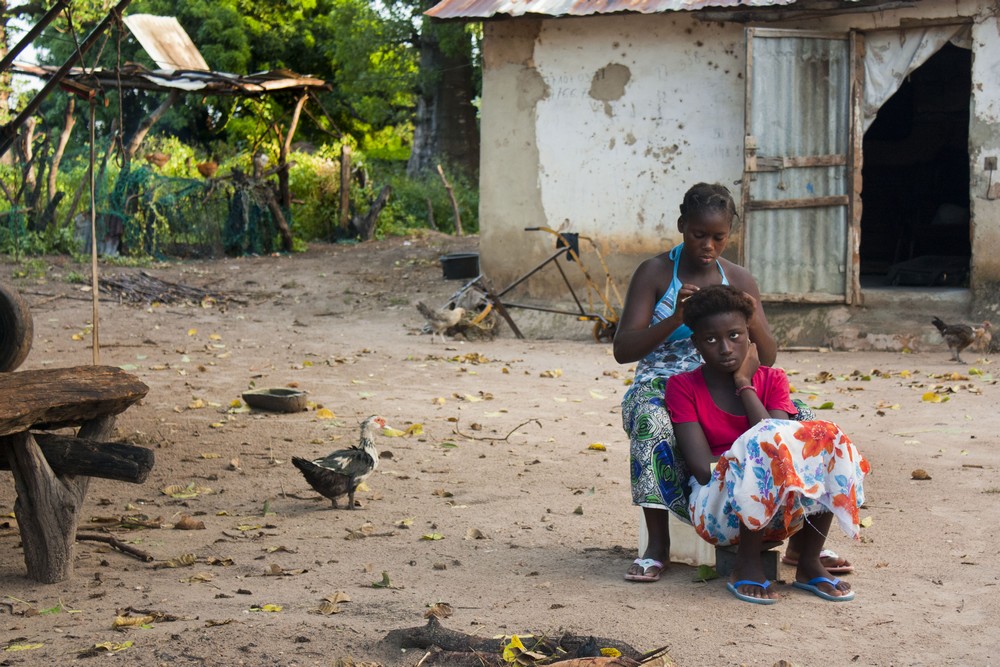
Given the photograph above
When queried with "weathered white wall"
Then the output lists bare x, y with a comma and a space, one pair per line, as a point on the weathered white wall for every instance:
598, 125
984, 139
627, 112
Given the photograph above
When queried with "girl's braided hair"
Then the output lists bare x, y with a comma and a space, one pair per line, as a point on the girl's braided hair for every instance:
716, 299
705, 197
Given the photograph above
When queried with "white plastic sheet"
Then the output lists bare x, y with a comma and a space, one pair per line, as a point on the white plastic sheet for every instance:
891, 56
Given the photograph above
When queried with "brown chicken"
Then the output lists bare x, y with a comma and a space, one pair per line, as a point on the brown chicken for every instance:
439, 321
157, 159
960, 336
339, 474
207, 169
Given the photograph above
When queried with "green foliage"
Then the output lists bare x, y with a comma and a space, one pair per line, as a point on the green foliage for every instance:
367, 51
31, 269
315, 181
408, 207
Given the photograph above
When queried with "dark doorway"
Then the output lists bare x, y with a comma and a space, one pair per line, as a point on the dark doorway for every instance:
915, 215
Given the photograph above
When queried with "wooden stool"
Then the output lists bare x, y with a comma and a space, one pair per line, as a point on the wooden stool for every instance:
725, 559
52, 473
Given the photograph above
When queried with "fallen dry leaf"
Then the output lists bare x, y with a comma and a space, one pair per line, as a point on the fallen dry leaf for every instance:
188, 523
439, 610
121, 622
192, 490
184, 560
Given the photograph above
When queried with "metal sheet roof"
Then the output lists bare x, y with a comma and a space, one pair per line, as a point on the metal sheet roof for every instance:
481, 9
166, 42
136, 76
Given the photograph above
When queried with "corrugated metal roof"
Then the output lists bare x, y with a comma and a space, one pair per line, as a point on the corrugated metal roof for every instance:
166, 42
481, 9
136, 76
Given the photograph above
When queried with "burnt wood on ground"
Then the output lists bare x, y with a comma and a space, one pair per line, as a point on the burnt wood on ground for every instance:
109, 460
144, 288
49, 399
453, 641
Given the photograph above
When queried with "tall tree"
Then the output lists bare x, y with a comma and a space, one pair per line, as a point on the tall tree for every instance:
5, 17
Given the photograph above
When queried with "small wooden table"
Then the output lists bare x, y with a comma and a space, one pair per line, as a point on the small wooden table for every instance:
52, 473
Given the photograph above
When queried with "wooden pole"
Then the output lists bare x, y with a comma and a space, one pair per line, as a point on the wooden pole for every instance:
345, 186
95, 330
454, 204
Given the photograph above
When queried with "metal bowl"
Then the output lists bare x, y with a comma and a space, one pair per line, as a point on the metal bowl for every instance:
276, 399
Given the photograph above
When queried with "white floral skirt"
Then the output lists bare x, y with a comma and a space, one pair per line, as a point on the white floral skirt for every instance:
775, 475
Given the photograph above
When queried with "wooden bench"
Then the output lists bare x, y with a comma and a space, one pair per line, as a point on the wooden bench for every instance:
52, 472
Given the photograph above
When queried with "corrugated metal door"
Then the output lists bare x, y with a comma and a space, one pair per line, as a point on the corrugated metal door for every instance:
798, 181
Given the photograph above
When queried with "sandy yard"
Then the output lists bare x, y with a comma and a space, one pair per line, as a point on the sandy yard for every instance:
535, 529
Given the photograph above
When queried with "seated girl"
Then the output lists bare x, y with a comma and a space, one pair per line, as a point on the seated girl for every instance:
756, 476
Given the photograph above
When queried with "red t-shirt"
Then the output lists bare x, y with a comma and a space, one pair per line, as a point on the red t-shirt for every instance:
688, 400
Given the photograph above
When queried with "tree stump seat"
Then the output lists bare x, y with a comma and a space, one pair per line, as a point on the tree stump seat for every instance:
52, 472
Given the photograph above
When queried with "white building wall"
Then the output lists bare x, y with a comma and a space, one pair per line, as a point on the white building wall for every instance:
635, 110
598, 125
636, 113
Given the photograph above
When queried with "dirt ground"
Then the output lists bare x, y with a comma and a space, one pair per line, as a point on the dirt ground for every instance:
535, 529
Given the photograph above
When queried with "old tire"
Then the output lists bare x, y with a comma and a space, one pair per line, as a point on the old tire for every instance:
16, 329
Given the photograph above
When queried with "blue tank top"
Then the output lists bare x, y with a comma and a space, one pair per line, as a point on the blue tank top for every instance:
677, 353
667, 304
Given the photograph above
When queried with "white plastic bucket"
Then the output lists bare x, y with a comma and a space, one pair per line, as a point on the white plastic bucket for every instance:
685, 544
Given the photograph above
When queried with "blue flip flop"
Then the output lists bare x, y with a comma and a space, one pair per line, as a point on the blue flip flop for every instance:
732, 587
814, 589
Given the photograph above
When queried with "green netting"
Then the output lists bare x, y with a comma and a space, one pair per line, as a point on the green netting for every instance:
156, 215
14, 232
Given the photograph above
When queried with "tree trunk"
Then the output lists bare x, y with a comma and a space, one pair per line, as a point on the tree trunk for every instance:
34, 200
445, 127
135, 141
365, 227
279, 220
4, 75
284, 192
345, 187
26, 150
67, 130
100, 176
